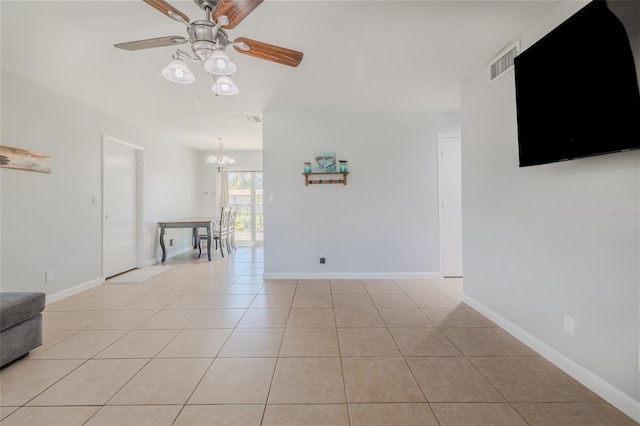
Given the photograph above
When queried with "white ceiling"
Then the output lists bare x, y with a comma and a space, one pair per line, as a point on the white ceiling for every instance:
359, 56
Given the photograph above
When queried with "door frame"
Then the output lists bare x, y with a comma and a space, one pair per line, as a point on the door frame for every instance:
254, 221
139, 198
441, 140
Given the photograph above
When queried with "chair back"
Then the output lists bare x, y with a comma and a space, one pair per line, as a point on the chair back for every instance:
224, 222
232, 221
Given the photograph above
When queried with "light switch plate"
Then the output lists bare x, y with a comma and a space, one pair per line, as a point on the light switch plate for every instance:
569, 325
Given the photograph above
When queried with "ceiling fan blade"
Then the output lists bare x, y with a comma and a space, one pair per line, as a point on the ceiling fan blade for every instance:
235, 10
269, 52
165, 8
152, 42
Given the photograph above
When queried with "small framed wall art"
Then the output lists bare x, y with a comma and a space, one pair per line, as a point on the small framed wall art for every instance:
324, 162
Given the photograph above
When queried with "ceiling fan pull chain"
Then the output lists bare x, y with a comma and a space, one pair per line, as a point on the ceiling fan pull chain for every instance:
200, 82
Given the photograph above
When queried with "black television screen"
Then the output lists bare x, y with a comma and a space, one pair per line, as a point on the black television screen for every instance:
577, 89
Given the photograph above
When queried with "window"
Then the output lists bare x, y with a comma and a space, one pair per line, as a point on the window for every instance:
246, 195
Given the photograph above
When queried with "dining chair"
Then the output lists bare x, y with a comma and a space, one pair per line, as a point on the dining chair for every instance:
232, 230
221, 235
203, 236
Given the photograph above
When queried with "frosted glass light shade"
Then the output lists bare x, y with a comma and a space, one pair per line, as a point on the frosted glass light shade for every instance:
178, 72
219, 63
224, 85
221, 158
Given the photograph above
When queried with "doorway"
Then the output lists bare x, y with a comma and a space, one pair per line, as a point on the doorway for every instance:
450, 203
121, 206
246, 195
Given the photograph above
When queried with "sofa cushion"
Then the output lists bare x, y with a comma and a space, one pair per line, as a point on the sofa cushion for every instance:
18, 307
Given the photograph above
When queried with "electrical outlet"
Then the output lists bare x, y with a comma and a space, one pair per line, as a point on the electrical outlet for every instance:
323, 260
48, 276
569, 325
172, 242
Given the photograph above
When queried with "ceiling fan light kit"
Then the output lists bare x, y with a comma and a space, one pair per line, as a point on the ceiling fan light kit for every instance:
209, 40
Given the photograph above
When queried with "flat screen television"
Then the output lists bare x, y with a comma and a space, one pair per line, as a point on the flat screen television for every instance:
577, 89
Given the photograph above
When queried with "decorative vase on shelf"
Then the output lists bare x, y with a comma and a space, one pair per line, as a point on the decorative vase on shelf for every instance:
343, 166
307, 167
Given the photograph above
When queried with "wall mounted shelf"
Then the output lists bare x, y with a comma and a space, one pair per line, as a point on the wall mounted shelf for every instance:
325, 178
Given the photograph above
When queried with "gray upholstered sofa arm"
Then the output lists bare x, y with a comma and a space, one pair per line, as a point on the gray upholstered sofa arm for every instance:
20, 324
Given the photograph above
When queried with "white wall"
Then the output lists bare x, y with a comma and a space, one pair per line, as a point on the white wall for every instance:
384, 223
541, 242
48, 220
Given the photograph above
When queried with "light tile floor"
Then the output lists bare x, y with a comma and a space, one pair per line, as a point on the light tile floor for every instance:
209, 343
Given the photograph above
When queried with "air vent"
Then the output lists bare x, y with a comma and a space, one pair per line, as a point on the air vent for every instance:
503, 63
254, 119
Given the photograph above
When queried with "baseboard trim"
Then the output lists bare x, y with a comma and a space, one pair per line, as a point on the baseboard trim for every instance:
94, 283
169, 256
610, 393
350, 275
73, 290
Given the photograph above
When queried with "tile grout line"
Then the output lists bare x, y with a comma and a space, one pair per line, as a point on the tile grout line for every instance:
404, 358
344, 379
275, 367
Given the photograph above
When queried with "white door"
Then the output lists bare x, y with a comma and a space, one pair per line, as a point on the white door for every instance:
120, 174
450, 173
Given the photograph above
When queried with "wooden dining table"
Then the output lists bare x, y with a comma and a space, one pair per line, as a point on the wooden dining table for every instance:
191, 222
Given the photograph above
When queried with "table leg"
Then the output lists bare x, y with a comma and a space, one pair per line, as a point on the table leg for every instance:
209, 241
195, 237
164, 251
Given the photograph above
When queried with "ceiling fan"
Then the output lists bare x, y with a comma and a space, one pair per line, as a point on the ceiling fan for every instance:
209, 40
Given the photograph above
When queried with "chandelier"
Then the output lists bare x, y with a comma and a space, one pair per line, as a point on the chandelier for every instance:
221, 157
